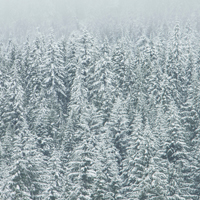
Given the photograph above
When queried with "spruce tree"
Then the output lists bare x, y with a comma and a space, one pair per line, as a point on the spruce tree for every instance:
102, 85
21, 178
118, 127
54, 74
108, 183
81, 173
87, 56
119, 68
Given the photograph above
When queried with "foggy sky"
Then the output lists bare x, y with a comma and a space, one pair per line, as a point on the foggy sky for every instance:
20, 17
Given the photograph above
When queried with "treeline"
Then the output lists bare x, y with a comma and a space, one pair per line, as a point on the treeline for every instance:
88, 119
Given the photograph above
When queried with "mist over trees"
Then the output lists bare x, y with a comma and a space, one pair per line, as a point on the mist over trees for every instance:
100, 108
22, 18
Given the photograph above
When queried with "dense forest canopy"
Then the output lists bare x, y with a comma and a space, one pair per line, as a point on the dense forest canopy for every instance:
101, 110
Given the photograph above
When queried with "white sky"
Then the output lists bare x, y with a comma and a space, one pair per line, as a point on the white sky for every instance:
19, 16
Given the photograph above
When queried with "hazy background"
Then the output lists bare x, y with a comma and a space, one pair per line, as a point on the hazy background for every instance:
19, 18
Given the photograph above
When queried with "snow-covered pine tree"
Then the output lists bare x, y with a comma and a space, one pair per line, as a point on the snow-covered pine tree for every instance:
108, 183
143, 71
71, 62
119, 69
175, 153
52, 179
2, 100
146, 55
26, 66
78, 100
54, 74
103, 96
81, 169
10, 80
159, 178
128, 174
190, 123
5, 160
22, 171
14, 100
131, 82
10, 54
135, 93
137, 166
46, 125
87, 56
34, 77
175, 67
118, 127
77, 129
67, 72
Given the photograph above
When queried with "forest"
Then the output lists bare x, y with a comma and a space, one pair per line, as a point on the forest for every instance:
87, 117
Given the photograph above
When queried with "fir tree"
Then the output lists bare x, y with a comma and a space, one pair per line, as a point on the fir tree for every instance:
108, 183
53, 71
102, 85
21, 178
118, 127
87, 57
81, 167
119, 68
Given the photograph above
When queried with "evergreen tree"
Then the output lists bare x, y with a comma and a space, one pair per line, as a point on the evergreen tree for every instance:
128, 173
159, 184
26, 64
175, 67
108, 183
175, 152
118, 127
87, 57
21, 178
54, 74
137, 166
52, 177
14, 101
82, 173
34, 78
71, 62
102, 86
119, 68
